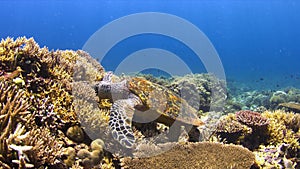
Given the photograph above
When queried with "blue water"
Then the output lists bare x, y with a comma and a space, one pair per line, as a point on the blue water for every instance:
257, 41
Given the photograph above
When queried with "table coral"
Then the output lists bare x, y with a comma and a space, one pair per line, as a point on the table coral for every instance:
291, 106
250, 118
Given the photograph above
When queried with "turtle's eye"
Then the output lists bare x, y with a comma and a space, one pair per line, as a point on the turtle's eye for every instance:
96, 88
106, 88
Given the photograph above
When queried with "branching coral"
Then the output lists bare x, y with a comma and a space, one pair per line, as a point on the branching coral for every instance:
45, 148
283, 128
13, 108
250, 118
36, 94
34, 148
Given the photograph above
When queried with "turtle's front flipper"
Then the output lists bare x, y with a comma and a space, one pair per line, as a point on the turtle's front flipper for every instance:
120, 121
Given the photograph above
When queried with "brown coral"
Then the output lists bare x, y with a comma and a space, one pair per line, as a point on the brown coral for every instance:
196, 155
46, 150
250, 118
239, 129
13, 108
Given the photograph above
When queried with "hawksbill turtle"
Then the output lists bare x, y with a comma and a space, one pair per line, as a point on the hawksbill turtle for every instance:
136, 93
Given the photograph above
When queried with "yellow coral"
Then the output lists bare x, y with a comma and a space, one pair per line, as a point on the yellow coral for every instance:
105, 104
280, 128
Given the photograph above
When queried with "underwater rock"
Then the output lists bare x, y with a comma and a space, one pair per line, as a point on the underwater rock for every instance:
195, 155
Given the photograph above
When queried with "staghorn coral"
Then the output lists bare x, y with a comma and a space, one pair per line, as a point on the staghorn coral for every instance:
196, 155
13, 108
47, 73
283, 128
44, 73
30, 149
46, 150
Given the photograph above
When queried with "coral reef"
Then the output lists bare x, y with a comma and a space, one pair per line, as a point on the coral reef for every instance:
202, 91
275, 157
261, 101
262, 132
36, 111
196, 155
245, 127
50, 117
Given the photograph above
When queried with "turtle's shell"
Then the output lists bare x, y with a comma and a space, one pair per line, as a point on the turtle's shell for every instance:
165, 102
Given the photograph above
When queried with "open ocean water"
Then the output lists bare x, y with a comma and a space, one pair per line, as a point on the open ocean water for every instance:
257, 41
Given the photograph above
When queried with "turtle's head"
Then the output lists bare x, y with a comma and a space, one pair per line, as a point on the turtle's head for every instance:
108, 90
103, 89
